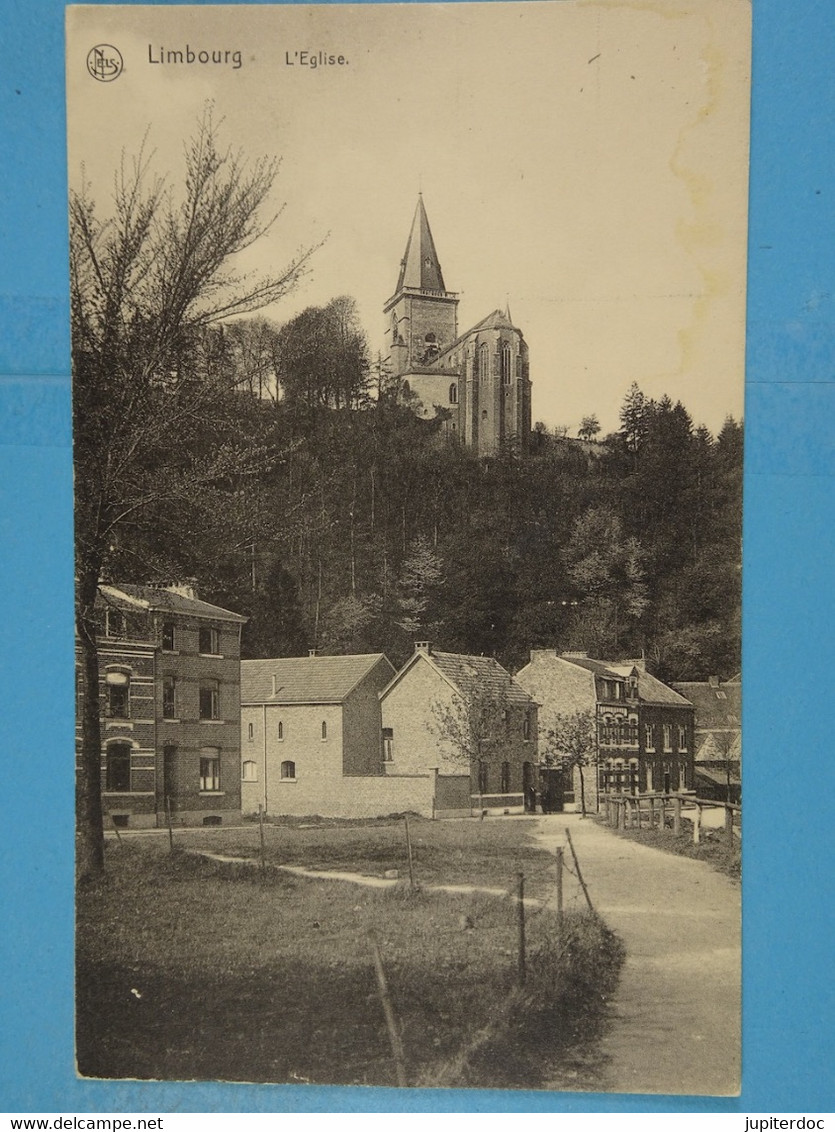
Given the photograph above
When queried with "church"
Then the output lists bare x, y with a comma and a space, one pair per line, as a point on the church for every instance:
480, 377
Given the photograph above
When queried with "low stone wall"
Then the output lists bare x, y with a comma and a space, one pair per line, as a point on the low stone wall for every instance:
354, 797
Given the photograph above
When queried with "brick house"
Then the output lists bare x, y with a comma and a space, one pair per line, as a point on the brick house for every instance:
465, 719
717, 760
644, 727
311, 739
169, 693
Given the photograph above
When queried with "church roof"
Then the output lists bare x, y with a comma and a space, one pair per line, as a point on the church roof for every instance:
496, 320
419, 267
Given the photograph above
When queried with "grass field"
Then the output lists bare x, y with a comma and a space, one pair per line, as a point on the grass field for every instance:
189, 969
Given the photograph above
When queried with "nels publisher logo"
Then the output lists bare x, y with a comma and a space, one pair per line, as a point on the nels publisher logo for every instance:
104, 62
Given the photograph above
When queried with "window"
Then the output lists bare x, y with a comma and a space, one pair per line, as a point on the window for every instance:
249, 771
453, 394
169, 698
280, 731
505, 778
482, 777
250, 732
208, 640
288, 769
483, 360
504, 363
210, 769
388, 744
118, 695
682, 738
526, 726
668, 736
114, 623
324, 729
649, 736
168, 638
209, 701
117, 768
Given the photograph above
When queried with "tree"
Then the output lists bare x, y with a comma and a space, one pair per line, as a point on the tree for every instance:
323, 357
149, 279
475, 721
589, 427
571, 741
420, 577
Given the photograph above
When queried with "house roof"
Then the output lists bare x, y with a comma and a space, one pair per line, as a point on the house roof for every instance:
305, 679
132, 597
650, 689
720, 777
469, 675
718, 707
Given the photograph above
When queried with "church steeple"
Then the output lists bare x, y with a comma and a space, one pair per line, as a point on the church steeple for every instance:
422, 315
419, 267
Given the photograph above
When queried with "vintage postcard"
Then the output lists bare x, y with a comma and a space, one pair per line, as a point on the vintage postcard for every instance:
408, 348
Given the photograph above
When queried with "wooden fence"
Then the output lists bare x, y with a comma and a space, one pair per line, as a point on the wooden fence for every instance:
650, 811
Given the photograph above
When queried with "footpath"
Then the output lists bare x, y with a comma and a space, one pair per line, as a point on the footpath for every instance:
676, 1014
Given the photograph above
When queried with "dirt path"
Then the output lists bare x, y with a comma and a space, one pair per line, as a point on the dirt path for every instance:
676, 1014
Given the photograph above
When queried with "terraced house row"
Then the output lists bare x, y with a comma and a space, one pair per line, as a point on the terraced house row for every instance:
192, 733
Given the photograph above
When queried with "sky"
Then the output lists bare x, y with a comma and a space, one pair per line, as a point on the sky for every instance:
585, 163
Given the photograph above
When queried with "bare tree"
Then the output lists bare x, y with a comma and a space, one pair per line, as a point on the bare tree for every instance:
150, 277
571, 741
476, 725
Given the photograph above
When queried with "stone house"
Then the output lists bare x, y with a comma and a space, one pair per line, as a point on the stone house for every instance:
644, 728
717, 761
169, 693
464, 719
311, 739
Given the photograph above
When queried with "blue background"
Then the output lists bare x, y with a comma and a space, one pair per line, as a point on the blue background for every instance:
788, 623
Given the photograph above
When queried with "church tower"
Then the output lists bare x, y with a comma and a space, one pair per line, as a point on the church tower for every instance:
478, 381
422, 314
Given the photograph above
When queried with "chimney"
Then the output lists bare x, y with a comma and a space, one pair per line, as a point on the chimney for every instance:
312, 652
713, 681
183, 589
423, 646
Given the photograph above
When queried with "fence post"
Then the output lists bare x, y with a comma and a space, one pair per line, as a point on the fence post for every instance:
520, 913
409, 851
559, 888
677, 816
391, 1022
662, 811
579, 874
729, 824
168, 822
261, 837
115, 827
697, 824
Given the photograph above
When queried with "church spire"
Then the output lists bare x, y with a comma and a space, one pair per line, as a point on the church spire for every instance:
419, 267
